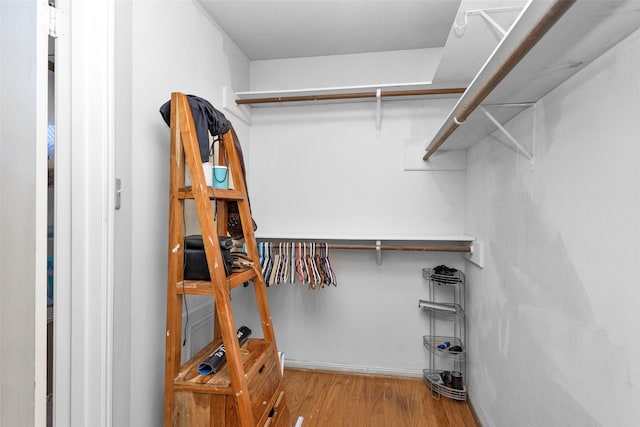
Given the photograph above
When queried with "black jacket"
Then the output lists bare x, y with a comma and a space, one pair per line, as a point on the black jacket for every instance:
209, 120
206, 119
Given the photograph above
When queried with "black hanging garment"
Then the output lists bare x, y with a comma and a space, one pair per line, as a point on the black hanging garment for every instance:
209, 120
206, 120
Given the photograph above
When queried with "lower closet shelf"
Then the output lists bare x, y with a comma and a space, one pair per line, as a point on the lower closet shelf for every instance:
434, 381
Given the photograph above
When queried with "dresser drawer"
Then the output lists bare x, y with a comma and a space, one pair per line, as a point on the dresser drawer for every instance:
263, 384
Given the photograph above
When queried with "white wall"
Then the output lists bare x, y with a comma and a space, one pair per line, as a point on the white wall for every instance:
322, 170
402, 66
23, 213
553, 316
174, 47
370, 322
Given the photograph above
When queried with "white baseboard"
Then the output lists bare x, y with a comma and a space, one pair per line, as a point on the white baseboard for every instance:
306, 364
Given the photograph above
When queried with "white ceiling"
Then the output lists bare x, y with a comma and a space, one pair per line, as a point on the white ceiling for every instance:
267, 29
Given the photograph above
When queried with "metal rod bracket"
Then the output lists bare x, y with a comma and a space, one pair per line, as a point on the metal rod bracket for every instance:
518, 147
476, 256
484, 13
378, 111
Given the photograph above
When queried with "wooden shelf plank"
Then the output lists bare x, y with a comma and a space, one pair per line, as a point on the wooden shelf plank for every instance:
204, 287
194, 287
214, 193
238, 278
188, 378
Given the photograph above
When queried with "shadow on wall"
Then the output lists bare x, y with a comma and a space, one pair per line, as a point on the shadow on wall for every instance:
536, 331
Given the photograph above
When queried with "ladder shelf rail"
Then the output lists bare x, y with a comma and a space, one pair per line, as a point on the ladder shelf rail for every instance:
249, 389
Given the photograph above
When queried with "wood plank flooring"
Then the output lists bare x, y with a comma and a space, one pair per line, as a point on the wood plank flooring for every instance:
334, 399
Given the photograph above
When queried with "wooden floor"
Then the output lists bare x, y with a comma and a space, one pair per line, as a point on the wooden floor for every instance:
334, 399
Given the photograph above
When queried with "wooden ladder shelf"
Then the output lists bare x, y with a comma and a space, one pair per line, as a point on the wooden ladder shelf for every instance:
249, 389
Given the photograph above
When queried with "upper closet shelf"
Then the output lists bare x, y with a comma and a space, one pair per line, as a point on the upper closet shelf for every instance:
349, 94
548, 43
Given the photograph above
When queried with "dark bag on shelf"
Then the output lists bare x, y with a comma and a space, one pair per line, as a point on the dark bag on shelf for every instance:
195, 259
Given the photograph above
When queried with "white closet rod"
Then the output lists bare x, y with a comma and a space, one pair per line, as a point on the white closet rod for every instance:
352, 95
429, 248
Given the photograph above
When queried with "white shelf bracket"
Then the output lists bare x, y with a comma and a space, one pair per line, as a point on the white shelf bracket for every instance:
236, 110
378, 111
484, 13
491, 21
519, 148
476, 255
378, 252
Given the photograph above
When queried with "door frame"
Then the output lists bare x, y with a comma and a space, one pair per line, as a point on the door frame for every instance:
84, 214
